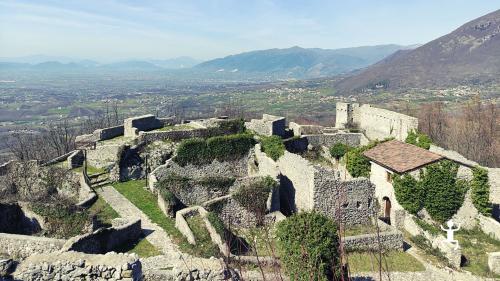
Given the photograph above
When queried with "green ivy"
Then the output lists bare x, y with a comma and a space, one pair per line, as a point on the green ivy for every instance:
444, 193
223, 148
253, 196
419, 139
409, 193
308, 245
338, 150
481, 190
273, 147
359, 165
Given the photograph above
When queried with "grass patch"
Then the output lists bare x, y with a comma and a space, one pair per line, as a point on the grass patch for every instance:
105, 214
260, 240
360, 229
431, 228
142, 248
391, 261
202, 237
91, 170
148, 203
475, 245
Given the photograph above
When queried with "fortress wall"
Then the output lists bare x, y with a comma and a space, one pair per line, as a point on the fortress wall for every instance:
140, 123
103, 155
78, 266
328, 140
173, 135
351, 201
104, 240
269, 125
382, 123
108, 133
22, 246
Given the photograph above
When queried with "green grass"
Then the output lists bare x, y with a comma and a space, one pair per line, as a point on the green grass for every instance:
391, 261
105, 214
142, 248
260, 239
148, 203
360, 229
90, 170
475, 245
202, 237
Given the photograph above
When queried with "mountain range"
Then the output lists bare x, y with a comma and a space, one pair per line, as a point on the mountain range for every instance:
468, 55
295, 62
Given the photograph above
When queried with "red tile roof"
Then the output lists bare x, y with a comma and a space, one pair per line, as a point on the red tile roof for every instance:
401, 157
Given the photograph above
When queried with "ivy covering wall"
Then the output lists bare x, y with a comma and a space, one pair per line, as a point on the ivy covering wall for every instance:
481, 190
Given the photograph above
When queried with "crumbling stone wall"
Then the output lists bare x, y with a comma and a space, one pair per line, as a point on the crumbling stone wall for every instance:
104, 240
299, 130
78, 266
14, 220
103, 155
351, 201
328, 140
133, 125
389, 240
22, 246
231, 212
376, 123
173, 135
269, 125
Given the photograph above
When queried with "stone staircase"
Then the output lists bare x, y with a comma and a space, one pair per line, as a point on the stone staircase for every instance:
99, 180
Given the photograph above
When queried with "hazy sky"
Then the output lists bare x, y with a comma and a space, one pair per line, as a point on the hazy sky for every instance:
204, 29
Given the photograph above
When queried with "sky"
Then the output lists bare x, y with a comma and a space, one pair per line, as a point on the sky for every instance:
107, 30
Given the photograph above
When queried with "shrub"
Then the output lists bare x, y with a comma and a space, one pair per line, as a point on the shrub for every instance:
61, 220
253, 196
234, 126
217, 224
444, 192
308, 246
173, 182
192, 151
338, 150
409, 193
481, 190
230, 147
419, 139
359, 165
223, 148
273, 147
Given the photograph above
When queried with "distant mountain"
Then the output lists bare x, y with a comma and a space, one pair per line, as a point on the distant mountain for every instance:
130, 66
176, 63
300, 62
470, 54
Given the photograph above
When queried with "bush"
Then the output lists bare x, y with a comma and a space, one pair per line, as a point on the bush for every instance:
481, 190
273, 147
409, 193
234, 126
419, 139
173, 183
359, 165
253, 196
444, 192
338, 150
308, 246
223, 148
61, 220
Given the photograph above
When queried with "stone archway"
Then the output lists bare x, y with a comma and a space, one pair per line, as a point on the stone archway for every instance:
387, 208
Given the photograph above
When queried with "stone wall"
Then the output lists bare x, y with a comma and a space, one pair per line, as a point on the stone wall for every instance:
78, 266
75, 160
494, 262
103, 155
307, 187
267, 126
108, 133
172, 135
22, 246
133, 125
86, 195
389, 240
231, 212
104, 240
351, 201
299, 130
376, 123
328, 140
489, 226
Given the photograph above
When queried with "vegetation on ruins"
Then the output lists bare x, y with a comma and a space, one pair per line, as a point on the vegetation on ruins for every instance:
444, 193
62, 220
204, 243
409, 193
223, 148
338, 150
419, 139
481, 190
174, 182
358, 165
273, 147
308, 245
235, 126
253, 196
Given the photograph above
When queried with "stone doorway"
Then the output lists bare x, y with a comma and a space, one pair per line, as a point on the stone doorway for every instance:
387, 209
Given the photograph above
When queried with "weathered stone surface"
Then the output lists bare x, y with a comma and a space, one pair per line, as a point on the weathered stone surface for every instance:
78, 266
389, 240
494, 262
22, 246
269, 125
6, 267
